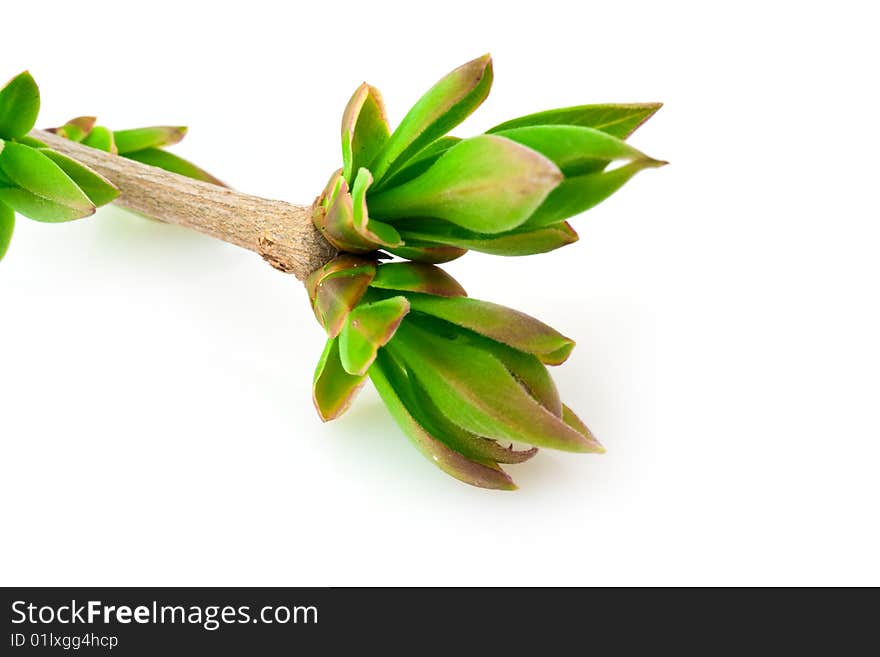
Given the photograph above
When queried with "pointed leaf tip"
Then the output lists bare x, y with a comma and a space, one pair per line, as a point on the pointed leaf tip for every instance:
442, 108
616, 119
592, 445
395, 390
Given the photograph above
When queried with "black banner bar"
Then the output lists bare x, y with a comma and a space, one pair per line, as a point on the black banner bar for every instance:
151, 621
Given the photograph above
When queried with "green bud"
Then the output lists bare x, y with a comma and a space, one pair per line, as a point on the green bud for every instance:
457, 374
101, 138
76, 129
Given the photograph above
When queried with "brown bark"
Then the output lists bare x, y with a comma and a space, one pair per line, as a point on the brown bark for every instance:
280, 232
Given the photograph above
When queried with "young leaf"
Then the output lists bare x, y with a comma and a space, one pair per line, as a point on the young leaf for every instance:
477, 448
102, 139
487, 184
578, 194
577, 424
156, 157
99, 190
369, 327
364, 129
518, 242
33, 171
442, 108
7, 225
390, 383
416, 277
128, 141
377, 232
427, 253
76, 129
422, 161
39, 208
502, 324
27, 140
618, 120
477, 392
337, 294
345, 222
19, 106
574, 149
527, 369
333, 388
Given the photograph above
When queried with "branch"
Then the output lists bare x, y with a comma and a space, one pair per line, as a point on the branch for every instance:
282, 233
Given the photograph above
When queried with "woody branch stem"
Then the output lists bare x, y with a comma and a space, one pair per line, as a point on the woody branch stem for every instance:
282, 233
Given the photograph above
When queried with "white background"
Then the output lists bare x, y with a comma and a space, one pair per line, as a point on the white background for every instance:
156, 425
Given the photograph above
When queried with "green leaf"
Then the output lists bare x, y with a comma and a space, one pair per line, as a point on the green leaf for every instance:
102, 139
619, 120
27, 140
364, 129
333, 388
476, 391
477, 448
76, 129
442, 108
345, 222
527, 369
577, 424
99, 190
487, 184
137, 139
416, 277
502, 324
336, 220
579, 194
422, 161
7, 226
378, 233
34, 172
19, 106
575, 150
518, 242
427, 253
369, 327
390, 382
337, 294
38, 208
156, 157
